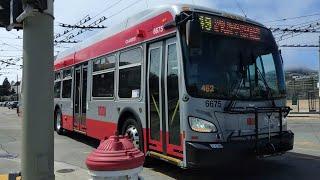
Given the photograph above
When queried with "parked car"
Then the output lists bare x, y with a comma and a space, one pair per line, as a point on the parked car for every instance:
13, 104
6, 104
1, 104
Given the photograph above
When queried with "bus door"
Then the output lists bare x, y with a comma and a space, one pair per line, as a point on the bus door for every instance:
164, 131
80, 98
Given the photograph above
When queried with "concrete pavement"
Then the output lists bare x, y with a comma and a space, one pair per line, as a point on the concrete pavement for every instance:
72, 149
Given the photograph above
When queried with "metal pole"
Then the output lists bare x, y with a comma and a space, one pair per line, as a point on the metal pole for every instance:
37, 152
17, 88
319, 75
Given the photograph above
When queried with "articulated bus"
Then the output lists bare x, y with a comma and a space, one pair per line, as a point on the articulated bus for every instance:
189, 85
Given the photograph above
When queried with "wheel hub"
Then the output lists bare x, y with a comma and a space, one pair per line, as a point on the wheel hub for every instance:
133, 134
58, 122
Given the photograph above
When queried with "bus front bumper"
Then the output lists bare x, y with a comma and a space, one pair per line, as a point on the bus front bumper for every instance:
208, 154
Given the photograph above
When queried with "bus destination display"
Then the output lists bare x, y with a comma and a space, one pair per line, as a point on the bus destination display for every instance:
229, 27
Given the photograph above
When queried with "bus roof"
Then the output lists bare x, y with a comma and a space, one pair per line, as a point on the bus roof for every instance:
141, 17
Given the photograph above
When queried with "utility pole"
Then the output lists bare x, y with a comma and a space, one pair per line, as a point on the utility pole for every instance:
38, 146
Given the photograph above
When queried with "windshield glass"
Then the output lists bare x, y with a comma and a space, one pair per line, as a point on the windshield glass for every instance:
227, 67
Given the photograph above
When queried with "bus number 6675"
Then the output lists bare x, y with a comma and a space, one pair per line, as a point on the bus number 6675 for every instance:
213, 103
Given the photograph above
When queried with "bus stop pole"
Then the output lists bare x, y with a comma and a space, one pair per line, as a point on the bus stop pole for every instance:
38, 145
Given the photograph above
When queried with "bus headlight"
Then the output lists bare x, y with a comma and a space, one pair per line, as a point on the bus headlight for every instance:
201, 125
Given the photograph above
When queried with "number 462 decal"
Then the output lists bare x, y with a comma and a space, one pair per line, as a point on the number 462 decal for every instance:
213, 103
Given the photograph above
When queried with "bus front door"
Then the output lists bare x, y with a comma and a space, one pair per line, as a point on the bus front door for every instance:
164, 129
80, 99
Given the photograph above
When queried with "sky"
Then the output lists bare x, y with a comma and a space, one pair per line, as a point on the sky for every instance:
271, 13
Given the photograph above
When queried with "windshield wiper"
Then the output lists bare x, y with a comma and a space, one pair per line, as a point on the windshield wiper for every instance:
234, 96
268, 89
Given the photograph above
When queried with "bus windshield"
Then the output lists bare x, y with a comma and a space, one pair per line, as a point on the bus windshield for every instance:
227, 67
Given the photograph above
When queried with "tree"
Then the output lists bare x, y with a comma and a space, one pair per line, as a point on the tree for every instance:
6, 87
12, 91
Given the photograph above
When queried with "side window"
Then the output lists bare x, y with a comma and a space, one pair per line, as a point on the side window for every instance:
130, 73
67, 83
66, 88
57, 76
57, 89
103, 76
132, 56
103, 63
57, 84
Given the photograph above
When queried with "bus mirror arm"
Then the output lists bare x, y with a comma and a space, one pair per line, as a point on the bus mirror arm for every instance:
170, 24
193, 33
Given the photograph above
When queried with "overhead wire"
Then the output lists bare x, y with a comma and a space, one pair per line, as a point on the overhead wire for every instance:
241, 9
104, 18
292, 18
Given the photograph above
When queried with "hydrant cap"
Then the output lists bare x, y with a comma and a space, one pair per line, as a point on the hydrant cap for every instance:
115, 154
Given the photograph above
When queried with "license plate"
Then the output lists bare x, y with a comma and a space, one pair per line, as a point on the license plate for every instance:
216, 146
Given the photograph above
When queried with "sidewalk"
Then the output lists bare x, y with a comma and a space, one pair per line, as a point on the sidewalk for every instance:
304, 115
62, 170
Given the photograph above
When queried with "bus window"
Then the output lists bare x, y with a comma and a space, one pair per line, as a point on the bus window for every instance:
103, 76
103, 85
57, 89
132, 56
103, 63
173, 95
66, 88
154, 93
57, 76
130, 82
66, 83
130, 76
67, 73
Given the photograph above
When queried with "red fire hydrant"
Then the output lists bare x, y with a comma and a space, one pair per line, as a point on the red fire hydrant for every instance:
116, 158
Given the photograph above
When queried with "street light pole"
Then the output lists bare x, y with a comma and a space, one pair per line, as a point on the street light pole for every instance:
38, 146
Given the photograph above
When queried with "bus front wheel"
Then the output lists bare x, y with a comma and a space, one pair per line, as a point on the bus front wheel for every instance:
58, 122
134, 130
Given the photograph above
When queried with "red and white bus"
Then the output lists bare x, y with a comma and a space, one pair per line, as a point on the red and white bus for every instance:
189, 85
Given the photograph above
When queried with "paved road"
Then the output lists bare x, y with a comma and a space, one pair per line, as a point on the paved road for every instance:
71, 151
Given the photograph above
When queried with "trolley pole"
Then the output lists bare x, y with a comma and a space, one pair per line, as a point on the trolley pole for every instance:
38, 145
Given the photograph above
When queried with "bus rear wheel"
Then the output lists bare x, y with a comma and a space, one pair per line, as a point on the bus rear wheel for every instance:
58, 122
134, 130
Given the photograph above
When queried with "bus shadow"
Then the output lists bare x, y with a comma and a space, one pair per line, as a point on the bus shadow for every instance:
94, 143
289, 166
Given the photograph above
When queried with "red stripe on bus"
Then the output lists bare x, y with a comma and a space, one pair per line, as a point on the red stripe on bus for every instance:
100, 129
175, 150
155, 144
67, 122
145, 140
66, 61
150, 29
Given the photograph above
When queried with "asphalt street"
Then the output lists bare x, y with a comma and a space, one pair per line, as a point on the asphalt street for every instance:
71, 150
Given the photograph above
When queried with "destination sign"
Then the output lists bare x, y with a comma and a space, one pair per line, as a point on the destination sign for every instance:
229, 27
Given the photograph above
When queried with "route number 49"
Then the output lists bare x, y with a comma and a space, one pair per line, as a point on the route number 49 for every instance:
213, 103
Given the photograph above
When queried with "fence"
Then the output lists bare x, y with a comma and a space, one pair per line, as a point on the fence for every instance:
303, 94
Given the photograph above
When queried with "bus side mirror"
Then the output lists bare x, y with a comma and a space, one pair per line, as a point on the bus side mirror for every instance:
193, 33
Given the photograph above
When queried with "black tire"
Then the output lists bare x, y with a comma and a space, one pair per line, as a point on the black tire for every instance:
58, 122
134, 131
